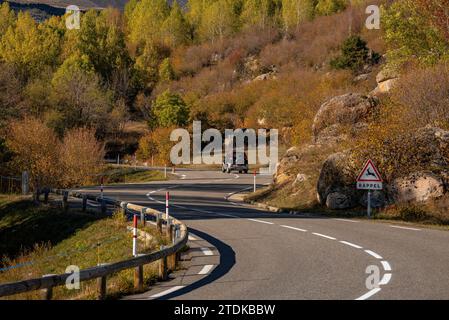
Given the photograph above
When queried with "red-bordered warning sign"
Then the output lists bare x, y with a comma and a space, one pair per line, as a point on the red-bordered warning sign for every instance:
369, 178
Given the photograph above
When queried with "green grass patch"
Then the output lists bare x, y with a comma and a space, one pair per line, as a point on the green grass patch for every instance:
55, 240
114, 174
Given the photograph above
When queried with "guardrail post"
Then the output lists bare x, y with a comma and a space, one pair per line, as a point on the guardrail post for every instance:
169, 230
84, 202
163, 273
102, 285
138, 278
103, 206
65, 199
142, 216
159, 223
46, 193
47, 293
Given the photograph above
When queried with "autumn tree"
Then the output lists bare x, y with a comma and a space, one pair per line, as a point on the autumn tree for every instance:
35, 149
218, 20
156, 145
175, 29
30, 46
81, 157
261, 13
7, 17
170, 110
296, 11
78, 97
410, 34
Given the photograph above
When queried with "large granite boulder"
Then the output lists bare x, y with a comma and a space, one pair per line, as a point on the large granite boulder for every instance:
348, 109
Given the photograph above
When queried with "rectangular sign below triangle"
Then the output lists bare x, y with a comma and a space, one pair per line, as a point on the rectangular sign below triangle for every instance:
369, 178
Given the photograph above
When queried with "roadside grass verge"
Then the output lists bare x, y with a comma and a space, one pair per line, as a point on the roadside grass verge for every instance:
89, 242
433, 213
115, 175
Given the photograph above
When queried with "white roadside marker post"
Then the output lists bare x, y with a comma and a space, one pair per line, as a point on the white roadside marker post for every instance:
167, 197
255, 175
135, 236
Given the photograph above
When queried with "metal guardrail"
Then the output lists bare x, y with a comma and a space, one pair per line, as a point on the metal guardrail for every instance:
101, 272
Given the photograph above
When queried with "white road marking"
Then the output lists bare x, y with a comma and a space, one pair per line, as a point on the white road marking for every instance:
385, 279
351, 244
324, 236
163, 293
206, 269
405, 228
386, 265
260, 221
369, 294
346, 220
293, 228
372, 253
207, 252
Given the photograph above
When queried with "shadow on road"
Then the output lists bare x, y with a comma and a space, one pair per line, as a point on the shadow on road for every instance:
227, 261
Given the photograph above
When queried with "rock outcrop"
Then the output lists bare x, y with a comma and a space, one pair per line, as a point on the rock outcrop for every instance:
417, 187
336, 184
348, 109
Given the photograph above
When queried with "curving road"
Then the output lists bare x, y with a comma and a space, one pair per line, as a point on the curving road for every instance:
246, 253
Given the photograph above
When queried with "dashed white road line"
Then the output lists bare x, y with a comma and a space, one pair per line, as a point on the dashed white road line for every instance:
168, 291
372, 253
324, 236
293, 228
261, 221
386, 265
351, 244
207, 252
405, 228
345, 220
206, 269
369, 294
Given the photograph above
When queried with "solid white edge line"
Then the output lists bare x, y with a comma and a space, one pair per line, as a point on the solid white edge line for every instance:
351, 244
293, 228
260, 221
163, 293
385, 279
324, 236
369, 294
386, 265
207, 252
372, 253
206, 269
405, 228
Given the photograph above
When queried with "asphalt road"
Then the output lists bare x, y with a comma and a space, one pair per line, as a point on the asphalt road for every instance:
260, 255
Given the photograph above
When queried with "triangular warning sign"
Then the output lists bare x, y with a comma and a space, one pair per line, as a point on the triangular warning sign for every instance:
369, 173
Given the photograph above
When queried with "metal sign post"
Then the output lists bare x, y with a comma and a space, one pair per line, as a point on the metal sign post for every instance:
369, 179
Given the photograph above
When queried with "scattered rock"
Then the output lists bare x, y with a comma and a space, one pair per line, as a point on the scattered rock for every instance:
386, 74
386, 80
362, 77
